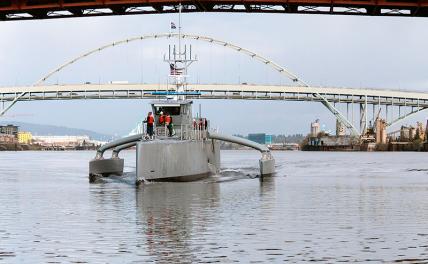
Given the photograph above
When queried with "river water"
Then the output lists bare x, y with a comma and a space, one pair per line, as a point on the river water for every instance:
321, 206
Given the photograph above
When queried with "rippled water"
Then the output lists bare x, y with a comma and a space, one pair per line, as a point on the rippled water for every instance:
331, 207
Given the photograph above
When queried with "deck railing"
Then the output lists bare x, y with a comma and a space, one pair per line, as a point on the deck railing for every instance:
182, 132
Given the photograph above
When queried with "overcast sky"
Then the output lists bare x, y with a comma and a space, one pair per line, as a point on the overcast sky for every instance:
349, 51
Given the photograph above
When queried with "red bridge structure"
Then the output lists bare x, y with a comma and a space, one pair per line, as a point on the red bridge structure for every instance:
45, 9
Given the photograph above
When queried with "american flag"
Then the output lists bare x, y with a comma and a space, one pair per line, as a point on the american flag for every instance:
174, 70
173, 25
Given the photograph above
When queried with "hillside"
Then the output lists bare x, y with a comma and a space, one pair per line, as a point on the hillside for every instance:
38, 129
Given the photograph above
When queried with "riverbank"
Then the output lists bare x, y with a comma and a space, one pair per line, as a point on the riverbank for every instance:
392, 146
36, 147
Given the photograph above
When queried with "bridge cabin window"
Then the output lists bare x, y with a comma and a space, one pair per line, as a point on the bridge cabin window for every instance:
172, 110
181, 112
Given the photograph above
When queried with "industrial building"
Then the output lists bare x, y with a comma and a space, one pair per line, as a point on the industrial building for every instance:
407, 138
261, 138
315, 128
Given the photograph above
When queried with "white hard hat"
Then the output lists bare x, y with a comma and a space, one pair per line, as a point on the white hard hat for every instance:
161, 112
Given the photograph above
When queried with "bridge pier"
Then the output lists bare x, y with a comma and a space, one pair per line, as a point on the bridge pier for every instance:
363, 117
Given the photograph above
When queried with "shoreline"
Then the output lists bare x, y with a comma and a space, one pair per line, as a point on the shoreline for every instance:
33, 147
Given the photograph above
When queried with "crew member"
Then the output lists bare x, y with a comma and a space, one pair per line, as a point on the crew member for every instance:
169, 125
150, 120
161, 119
200, 123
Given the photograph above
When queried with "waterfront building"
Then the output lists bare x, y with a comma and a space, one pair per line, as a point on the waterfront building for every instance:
426, 132
64, 141
9, 130
24, 137
258, 137
268, 139
340, 128
284, 146
380, 127
404, 134
6, 138
261, 138
315, 128
420, 133
412, 133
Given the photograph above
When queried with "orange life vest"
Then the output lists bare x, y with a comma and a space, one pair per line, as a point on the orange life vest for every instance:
161, 119
150, 119
168, 119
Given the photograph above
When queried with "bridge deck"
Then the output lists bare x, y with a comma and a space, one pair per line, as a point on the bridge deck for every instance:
44, 9
220, 91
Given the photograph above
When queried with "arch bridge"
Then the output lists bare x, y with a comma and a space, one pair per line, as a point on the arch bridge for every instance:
404, 102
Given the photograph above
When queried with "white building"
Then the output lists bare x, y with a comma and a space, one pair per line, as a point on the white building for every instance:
62, 140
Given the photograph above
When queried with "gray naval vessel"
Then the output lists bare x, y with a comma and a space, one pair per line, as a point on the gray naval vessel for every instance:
190, 150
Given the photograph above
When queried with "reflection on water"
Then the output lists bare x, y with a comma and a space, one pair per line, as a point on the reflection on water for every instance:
331, 207
171, 216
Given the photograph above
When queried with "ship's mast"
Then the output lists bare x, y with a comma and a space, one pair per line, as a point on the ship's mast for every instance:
179, 29
179, 61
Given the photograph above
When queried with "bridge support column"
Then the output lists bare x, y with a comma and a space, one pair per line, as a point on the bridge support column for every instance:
363, 117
